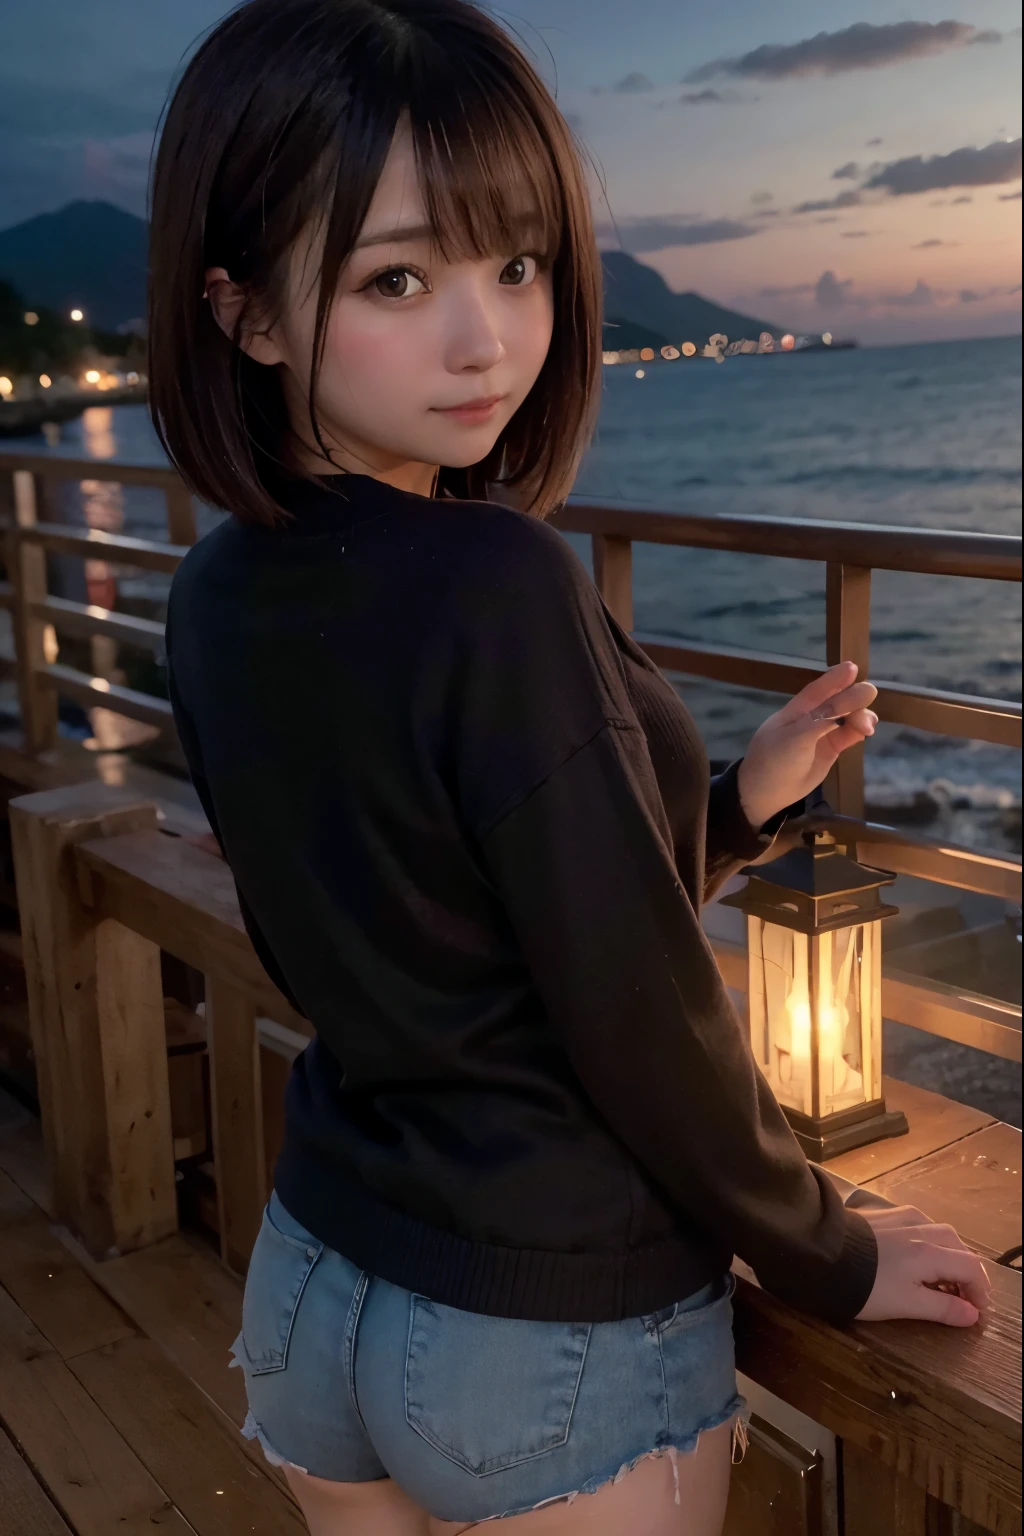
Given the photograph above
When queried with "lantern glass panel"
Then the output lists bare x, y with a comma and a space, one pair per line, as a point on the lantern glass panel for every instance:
828, 985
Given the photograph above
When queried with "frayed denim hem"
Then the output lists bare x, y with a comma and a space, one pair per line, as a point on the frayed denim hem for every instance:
739, 1409
251, 1430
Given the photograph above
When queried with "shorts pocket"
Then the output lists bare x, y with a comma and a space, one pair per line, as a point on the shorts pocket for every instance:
280, 1266
703, 1306
490, 1392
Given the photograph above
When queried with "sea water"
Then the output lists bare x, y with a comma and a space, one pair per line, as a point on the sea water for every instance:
927, 436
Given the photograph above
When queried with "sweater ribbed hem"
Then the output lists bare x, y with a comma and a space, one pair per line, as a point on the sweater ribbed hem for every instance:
535, 1285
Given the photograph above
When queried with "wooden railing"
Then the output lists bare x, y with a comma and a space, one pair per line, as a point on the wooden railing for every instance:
923, 1446
848, 551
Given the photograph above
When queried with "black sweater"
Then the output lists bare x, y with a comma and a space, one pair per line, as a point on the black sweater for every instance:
471, 826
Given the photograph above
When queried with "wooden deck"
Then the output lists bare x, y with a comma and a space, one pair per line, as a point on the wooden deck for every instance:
118, 1412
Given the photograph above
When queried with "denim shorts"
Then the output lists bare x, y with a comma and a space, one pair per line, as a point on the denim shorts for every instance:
353, 1379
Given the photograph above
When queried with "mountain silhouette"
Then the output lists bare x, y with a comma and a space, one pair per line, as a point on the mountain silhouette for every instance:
93, 255
636, 293
90, 255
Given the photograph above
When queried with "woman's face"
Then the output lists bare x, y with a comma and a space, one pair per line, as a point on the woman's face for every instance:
426, 360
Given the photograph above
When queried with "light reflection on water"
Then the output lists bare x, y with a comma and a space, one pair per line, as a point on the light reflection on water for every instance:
926, 436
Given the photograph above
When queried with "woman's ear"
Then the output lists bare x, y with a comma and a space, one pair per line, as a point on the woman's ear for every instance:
227, 301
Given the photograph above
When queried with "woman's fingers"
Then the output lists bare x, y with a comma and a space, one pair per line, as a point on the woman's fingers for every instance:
935, 1263
940, 1307
819, 689
847, 702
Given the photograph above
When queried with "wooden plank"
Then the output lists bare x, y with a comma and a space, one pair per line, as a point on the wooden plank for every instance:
613, 575
931, 551
87, 1468
27, 565
70, 1311
926, 709
185, 900
97, 1027
23, 1155
94, 544
92, 692
90, 619
181, 513
942, 1406
46, 465
877, 1501
935, 1122
777, 1489
191, 1449
848, 638
975, 1185
180, 1295
237, 1104
24, 1508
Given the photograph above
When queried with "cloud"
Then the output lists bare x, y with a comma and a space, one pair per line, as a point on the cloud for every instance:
632, 83
964, 198
658, 233
872, 142
968, 296
767, 213
861, 46
759, 198
785, 293
856, 234
573, 121
848, 172
1004, 197
820, 205
967, 167
919, 297
830, 292
989, 35
703, 98
928, 245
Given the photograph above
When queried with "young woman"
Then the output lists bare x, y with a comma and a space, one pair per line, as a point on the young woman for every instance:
471, 825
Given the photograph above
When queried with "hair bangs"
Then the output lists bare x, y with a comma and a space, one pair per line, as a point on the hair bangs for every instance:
487, 174
278, 130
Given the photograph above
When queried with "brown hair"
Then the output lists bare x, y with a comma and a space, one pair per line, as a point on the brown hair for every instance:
284, 119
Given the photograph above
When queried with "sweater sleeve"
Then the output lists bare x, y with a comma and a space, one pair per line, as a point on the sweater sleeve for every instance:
633, 992
731, 840
557, 785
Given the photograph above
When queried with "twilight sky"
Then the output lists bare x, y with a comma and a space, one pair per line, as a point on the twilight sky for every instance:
853, 166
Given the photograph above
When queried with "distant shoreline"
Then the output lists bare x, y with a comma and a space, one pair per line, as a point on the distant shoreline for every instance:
24, 418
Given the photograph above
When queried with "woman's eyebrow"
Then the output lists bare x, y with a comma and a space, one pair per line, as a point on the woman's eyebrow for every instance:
394, 236
526, 226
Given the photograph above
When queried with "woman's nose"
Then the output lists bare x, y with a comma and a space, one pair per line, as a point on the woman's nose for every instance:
473, 338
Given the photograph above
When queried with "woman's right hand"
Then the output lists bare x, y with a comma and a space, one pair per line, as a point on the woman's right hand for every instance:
914, 1256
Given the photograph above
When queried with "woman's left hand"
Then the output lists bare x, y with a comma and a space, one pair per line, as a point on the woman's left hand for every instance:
794, 749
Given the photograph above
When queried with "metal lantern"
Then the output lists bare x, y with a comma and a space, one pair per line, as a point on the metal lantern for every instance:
815, 993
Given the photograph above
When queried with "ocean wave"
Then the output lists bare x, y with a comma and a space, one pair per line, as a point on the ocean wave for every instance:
913, 474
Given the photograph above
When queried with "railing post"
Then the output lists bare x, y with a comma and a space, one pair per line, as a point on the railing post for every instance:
613, 575
848, 638
37, 702
97, 1020
181, 514
237, 1104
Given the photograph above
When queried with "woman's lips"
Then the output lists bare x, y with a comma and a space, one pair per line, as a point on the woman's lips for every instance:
472, 412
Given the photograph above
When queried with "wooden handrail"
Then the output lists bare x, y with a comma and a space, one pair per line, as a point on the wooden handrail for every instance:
877, 546
849, 551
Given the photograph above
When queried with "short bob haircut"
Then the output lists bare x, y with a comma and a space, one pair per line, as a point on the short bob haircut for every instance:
283, 120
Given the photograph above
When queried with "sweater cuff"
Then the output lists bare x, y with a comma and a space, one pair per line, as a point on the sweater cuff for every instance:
733, 832
854, 1277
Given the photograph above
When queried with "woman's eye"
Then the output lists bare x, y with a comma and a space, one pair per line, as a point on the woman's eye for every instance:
520, 271
397, 283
